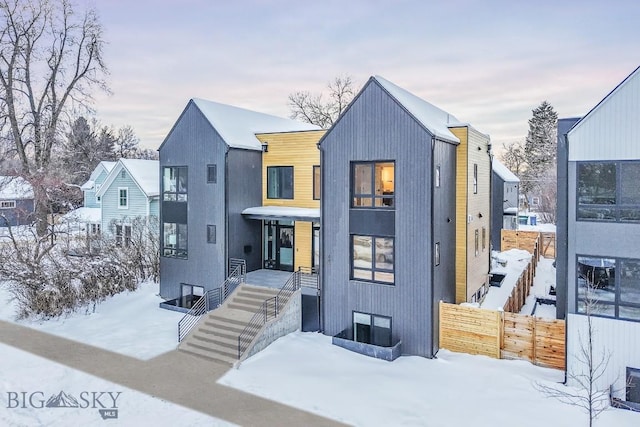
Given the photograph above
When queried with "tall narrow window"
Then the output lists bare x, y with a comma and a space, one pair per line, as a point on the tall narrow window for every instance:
211, 233
174, 240
212, 174
436, 254
484, 238
316, 182
174, 182
437, 177
475, 178
373, 185
123, 235
123, 198
477, 246
280, 182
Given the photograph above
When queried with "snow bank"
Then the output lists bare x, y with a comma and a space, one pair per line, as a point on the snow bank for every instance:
516, 262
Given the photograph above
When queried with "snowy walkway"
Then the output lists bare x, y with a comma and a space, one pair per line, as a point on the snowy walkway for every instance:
174, 376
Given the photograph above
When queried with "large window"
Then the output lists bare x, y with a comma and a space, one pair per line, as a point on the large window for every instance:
373, 184
174, 181
372, 259
280, 182
372, 329
174, 240
609, 191
609, 287
316, 183
123, 235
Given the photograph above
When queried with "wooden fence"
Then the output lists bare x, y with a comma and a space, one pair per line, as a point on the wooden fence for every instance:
529, 241
521, 290
502, 335
548, 244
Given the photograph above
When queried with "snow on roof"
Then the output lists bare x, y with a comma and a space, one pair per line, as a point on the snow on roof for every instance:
437, 121
88, 185
504, 172
511, 210
83, 214
15, 187
146, 173
282, 212
238, 126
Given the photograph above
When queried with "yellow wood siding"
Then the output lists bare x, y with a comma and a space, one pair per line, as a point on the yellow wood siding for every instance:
297, 149
471, 270
461, 214
303, 244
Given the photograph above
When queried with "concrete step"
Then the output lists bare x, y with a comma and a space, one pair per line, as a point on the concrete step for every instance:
244, 307
219, 342
249, 301
234, 329
217, 358
215, 318
212, 352
253, 295
219, 333
258, 289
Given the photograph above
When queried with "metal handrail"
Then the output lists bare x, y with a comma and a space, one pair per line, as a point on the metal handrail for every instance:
269, 309
212, 299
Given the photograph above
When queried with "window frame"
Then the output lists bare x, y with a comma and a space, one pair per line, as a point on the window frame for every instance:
175, 251
436, 254
475, 178
209, 239
617, 207
617, 302
211, 167
373, 196
484, 238
126, 197
316, 190
437, 177
477, 242
280, 196
178, 195
123, 235
372, 318
373, 268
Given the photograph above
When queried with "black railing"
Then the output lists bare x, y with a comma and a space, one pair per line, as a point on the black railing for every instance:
270, 309
212, 299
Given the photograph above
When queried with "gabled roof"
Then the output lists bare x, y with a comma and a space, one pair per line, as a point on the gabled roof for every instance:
238, 127
504, 172
630, 77
145, 173
102, 166
435, 120
15, 188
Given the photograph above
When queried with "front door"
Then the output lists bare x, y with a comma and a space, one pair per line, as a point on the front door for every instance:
278, 245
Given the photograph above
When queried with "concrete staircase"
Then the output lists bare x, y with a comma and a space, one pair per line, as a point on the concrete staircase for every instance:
215, 337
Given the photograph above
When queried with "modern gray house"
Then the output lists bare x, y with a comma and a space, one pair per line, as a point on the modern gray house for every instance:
16, 201
504, 201
388, 219
211, 170
598, 258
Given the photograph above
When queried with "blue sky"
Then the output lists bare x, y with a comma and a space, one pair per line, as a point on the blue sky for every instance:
488, 62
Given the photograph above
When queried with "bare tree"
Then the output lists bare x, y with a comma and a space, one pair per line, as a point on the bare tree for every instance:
50, 59
314, 109
513, 157
591, 364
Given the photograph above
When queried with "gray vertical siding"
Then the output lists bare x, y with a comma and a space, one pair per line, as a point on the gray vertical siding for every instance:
194, 143
376, 128
497, 210
244, 177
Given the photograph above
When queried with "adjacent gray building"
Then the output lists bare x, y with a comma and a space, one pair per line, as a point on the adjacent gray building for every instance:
388, 219
504, 201
598, 259
210, 171
17, 202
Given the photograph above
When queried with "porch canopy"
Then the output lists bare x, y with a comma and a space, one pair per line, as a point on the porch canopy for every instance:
282, 213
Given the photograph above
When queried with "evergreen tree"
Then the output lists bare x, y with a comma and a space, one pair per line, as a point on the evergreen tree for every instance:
540, 149
84, 148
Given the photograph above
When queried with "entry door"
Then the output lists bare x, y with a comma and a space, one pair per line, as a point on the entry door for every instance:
278, 245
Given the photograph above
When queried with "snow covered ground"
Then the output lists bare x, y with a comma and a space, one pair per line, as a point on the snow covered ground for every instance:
516, 262
545, 278
22, 372
112, 325
306, 371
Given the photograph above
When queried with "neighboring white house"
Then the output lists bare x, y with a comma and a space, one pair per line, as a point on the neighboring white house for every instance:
130, 190
598, 256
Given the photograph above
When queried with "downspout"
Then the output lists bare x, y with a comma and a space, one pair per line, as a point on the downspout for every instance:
431, 243
490, 154
226, 211
321, 244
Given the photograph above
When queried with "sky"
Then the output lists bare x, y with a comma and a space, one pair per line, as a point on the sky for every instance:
489, 63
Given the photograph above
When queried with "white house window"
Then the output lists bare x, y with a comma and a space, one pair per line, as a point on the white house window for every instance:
7, 204
123, 198
123, 235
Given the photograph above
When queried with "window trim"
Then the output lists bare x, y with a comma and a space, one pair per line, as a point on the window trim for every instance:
176, 193
215, 174
617, 302
372, 317
8, 204
373, 196
618, 206
293, 188
316, 191
373, 269
126, 205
